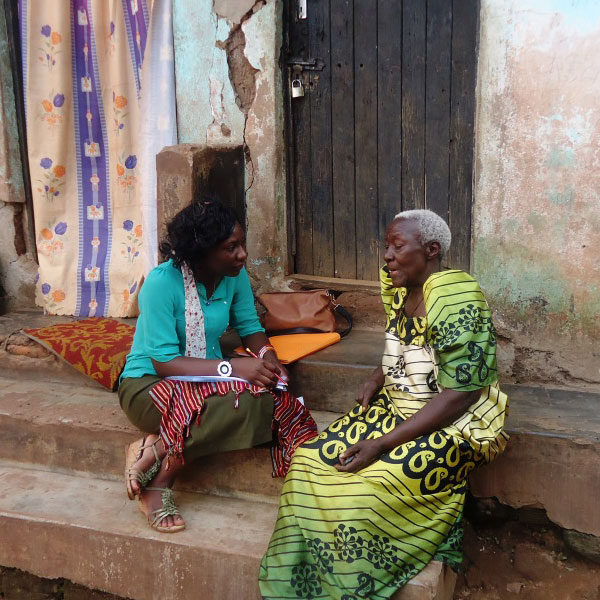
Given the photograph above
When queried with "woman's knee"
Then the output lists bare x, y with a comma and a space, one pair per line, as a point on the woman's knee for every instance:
136, 403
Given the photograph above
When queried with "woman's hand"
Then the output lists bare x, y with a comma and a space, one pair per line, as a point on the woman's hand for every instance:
369, 388
359, 456
255, 370
278, 368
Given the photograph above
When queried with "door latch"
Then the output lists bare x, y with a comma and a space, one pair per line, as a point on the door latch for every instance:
312, 64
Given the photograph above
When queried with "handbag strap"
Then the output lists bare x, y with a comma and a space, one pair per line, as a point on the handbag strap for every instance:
340, 310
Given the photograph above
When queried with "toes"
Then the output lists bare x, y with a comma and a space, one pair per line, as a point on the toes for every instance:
177, 520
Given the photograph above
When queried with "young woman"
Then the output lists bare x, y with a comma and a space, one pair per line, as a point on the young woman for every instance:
186, 304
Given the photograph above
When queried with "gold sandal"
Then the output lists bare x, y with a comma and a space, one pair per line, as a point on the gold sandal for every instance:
168, 509
132, 455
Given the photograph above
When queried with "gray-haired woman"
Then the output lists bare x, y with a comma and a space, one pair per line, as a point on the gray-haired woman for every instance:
378, 494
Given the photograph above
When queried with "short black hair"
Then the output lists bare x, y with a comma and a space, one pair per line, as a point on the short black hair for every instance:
197, 229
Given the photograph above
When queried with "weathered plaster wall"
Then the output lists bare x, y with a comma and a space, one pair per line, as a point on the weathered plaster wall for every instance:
17, 266
537, 186
229, 92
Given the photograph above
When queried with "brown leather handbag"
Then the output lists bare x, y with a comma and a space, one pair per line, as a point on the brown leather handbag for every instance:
310, 311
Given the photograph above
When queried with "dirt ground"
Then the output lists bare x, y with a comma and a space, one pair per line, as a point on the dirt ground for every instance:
514, 560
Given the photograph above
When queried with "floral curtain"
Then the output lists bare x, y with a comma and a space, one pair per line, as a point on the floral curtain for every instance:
83, 69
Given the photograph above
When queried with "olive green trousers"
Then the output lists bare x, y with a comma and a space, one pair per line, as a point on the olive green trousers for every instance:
222, 426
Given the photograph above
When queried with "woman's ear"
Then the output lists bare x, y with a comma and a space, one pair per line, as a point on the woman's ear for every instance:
433, 250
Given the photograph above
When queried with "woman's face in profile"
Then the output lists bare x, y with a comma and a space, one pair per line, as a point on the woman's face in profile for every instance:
404, 255
228, 258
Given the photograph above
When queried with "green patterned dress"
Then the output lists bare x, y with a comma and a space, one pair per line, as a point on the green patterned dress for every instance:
346, 536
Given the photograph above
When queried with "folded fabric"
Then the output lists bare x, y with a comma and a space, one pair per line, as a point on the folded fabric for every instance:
293, 347
97, 347
181, 404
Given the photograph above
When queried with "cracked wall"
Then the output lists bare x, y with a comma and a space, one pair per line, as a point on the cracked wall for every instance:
537, 185
17, 265
229, 92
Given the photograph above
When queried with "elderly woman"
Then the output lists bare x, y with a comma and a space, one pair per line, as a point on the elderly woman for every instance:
186, 304
380, 493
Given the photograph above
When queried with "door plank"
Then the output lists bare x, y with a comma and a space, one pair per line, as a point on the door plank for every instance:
414, 27
365, 131
320, 127
342, 138
389, 111
300, 47
437, 105
465, 20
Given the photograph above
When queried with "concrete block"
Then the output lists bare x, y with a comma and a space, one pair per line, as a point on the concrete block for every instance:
85, 530
84, 430
435, 582
186, 170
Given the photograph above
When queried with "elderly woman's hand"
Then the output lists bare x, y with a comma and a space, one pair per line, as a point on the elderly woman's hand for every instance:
369, 388
360, 455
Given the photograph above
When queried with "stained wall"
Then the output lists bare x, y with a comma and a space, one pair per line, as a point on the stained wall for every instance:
537, 186
229, 92
17, 264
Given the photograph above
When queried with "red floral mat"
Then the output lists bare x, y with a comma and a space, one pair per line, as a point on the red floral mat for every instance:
96, 346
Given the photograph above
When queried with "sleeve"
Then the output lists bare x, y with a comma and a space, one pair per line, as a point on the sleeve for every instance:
243, 317
460, 329
157, 312
387, 289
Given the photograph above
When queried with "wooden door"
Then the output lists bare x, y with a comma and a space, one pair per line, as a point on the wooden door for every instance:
385, 124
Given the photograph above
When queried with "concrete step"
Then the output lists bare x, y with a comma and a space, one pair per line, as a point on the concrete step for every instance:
555, 434
85, 530
71, 429
555, 446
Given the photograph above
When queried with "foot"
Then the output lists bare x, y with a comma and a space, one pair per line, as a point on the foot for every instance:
145, 459
151, 500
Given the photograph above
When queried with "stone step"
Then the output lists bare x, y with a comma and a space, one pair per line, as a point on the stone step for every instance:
555, 432
72, 429
85, 530
555, 445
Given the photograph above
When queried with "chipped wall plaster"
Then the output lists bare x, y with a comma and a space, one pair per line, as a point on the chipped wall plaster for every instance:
537, 185
230, 92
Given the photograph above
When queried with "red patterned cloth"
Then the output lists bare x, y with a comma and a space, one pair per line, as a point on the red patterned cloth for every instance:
96, 346
181, 404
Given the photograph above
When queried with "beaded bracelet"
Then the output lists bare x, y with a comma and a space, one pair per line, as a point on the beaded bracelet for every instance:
264, 350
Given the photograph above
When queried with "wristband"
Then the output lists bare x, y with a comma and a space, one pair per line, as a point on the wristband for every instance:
264, 350
224, 368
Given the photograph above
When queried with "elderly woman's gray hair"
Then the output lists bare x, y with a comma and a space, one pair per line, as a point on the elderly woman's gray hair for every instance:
432, 228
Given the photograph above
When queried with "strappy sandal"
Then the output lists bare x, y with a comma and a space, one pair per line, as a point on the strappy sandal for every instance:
132, 455
168, 509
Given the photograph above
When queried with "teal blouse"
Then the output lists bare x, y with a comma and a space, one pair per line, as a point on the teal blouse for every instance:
160, 330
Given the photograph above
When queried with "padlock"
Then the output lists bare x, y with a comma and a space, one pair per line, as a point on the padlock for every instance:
297, 88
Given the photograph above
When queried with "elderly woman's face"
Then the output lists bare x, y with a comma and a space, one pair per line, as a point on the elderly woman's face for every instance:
405, 256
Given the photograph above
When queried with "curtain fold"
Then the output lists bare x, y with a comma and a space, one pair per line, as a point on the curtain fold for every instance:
92, 136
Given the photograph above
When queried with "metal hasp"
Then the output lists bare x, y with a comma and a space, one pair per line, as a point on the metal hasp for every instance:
312, 64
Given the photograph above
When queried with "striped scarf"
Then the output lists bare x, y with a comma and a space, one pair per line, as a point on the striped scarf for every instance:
181, 404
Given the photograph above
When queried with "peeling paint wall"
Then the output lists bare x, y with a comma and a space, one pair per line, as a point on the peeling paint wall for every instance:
537, 186
17, 265
229, 92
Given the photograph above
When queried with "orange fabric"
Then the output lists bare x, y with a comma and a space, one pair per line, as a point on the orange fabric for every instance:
97, 347
290, 348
